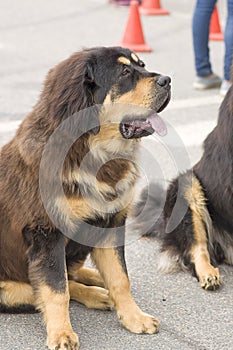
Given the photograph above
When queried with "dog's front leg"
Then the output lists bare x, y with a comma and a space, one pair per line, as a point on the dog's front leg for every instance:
111, 265
48, 277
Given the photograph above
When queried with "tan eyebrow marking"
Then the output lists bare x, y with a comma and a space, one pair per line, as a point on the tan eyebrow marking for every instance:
124, 60
134, 57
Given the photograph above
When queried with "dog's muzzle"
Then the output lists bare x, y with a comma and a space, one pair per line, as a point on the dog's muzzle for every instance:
136, 128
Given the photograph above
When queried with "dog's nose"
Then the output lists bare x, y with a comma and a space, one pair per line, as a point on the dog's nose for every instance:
164, 81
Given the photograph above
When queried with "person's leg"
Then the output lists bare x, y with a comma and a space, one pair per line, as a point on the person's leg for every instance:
228, 38
200, 31
228, 56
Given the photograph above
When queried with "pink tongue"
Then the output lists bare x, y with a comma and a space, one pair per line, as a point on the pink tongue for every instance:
157, 124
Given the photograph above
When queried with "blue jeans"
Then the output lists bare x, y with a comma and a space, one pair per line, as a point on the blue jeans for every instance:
200, 30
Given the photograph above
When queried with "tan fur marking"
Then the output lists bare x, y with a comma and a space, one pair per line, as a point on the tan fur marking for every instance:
124, 60
134, 57
51, 303
91, 296
122, 214
196, 198
140, 95
109, 140
16, 293
90, 277
107, 99
208, 276
108, 131
87, 180
55, 307
85, 208
80, 207
118, 284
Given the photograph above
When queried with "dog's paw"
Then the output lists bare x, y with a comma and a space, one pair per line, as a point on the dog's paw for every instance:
98, 298
211, 280
139, 322
63, 341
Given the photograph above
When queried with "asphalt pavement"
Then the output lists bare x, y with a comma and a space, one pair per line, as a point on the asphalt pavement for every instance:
35, 35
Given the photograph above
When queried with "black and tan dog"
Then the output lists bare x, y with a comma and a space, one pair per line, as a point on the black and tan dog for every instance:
195, 229
39, 265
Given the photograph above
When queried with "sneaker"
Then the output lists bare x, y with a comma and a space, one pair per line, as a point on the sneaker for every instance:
209, 81
225, 86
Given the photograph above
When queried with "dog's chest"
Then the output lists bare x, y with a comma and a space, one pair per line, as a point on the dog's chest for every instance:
103, 183
111, 188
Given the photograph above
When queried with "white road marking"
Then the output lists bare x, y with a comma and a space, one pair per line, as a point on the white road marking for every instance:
9, 126
188, 135
195, 102
193, 134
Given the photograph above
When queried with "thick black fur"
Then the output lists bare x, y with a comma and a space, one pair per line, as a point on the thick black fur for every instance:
214, 172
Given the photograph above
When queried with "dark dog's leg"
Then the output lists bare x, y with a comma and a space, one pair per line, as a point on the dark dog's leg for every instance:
207, 274
111, 264
48, 277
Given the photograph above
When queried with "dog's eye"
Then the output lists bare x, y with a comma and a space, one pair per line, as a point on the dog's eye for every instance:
126, 71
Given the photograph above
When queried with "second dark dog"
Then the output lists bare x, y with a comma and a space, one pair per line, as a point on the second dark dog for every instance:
195, 229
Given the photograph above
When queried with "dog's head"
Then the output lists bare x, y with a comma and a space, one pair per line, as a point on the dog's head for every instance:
109, 76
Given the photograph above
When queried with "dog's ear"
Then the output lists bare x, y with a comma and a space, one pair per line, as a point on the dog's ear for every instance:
71, 87
89, 84
89, 118
95, 91
89, 74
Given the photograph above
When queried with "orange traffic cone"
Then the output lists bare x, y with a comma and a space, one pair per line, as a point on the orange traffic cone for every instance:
152, 7
215, 28
133, 37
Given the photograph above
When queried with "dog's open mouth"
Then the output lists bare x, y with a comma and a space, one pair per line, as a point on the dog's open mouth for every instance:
136, 128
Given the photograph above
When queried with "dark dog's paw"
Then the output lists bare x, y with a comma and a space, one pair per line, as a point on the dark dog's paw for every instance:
64, 341
211, 279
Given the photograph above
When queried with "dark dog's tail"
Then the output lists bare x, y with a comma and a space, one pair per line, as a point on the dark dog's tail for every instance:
146, 217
